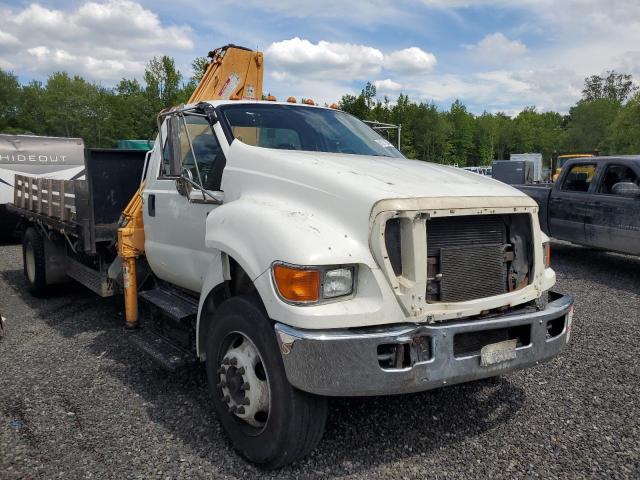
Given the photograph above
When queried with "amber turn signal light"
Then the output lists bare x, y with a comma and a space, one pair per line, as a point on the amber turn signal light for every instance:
547, 254
297, 285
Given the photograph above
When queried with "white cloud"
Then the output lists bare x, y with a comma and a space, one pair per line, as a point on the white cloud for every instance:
101, 41
6, 39
332, 67
387, 85
342, 61
497, 47
324, 59
411, 60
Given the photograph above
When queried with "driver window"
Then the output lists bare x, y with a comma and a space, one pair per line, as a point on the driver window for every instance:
616, 174
207, 166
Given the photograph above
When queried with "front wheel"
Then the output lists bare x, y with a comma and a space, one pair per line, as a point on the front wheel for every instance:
268, 421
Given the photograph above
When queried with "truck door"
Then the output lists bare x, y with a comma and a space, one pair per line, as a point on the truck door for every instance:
613, 222
176, 209
567, 208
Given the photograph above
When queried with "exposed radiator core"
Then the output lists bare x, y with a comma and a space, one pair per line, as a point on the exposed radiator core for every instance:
467, 257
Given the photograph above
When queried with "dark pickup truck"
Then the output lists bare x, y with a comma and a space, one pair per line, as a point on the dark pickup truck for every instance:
595, 202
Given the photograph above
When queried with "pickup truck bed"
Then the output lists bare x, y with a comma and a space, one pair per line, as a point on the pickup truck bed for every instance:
583, 207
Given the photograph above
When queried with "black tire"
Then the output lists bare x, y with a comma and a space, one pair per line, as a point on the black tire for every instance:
296, 419
33, 260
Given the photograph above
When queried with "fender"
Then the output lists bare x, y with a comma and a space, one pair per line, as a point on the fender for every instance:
255, 232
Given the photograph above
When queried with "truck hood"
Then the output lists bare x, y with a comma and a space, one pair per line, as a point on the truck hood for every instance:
327, 202
369, 178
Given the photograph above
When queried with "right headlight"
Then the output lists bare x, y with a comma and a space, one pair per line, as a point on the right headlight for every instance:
337, 282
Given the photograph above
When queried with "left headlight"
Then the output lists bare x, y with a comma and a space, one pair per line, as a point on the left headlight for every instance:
303, 285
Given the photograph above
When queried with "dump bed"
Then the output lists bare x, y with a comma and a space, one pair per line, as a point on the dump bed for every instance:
85, 209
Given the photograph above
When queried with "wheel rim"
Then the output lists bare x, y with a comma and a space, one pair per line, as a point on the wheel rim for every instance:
243, 381
30, 261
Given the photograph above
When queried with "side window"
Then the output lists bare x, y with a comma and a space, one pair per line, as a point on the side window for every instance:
616, 174
579, 178
198, 139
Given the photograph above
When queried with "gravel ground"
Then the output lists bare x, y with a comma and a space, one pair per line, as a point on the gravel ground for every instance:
76, 401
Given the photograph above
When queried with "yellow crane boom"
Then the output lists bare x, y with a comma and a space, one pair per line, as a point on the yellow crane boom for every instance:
233, 73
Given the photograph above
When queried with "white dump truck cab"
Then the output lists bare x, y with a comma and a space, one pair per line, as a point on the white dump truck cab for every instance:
365, 273
300, 255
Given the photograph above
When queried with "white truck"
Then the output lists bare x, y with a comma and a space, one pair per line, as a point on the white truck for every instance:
300, 256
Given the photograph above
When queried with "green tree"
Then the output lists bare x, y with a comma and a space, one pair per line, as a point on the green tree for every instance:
163, 82
199, 67
614, 86
623, 136
9, 99
589, 123
462, 135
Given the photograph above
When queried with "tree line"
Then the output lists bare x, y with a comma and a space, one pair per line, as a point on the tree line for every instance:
606, 119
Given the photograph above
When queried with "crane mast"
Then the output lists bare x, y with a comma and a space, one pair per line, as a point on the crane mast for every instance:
234, 73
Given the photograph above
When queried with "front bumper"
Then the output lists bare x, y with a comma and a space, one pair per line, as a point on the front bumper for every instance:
347, 362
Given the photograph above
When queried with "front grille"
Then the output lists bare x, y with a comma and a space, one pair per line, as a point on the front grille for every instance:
471, 257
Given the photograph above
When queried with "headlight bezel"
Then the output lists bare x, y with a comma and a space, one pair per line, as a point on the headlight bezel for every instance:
322, 270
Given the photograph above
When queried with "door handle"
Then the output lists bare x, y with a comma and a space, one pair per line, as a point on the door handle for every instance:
151, 205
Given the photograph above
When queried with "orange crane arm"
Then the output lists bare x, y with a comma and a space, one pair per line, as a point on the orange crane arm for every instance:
233, 73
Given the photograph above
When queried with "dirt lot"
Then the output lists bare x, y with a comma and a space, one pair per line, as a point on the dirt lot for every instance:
76, 401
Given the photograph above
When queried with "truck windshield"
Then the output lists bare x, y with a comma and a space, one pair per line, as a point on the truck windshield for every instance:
295, 127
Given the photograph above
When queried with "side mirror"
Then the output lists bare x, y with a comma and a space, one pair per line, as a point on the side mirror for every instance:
626, 189
173, 137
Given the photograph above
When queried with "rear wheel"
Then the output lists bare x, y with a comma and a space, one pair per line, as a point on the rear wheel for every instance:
268, 421
33, 258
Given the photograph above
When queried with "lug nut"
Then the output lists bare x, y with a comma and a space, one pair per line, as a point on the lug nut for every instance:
245, 386
233, 361
241, 371
240, 410
225, 361
245, 401
233, 409
226, 399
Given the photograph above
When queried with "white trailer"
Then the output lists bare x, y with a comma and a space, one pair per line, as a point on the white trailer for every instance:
535, 159
38, 157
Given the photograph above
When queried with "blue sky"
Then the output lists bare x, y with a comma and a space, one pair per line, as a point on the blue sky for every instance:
495, 55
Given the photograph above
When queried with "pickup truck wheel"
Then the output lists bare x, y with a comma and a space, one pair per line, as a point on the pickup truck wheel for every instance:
33, 259
268, 421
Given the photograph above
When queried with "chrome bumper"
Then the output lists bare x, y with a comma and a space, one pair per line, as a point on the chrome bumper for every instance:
346, 362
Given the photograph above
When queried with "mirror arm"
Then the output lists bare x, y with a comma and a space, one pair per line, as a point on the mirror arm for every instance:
202, 190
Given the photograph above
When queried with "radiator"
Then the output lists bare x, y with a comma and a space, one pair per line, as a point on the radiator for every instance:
466, 257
